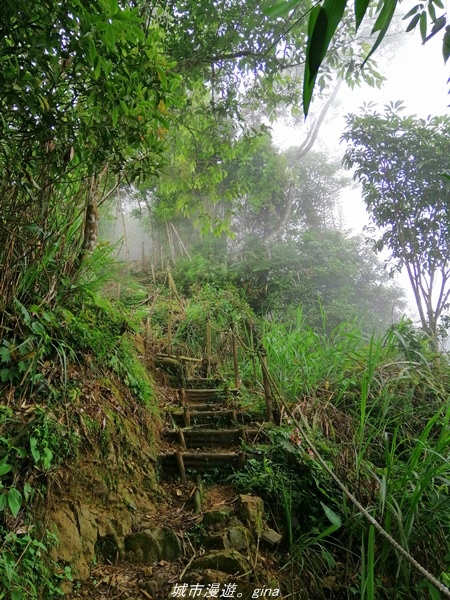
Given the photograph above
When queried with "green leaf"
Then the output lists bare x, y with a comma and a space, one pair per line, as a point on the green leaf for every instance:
14, 501
278, 10
446, 44
382, 24
413, 11
423, 26
413, 23
331, 515
323, 22
17, 595
5, 468
5, 354
360, 11
34, 451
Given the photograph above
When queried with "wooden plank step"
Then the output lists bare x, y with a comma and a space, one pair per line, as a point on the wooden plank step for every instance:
211, 438
200, 417
206, 395
199, 383
203, 461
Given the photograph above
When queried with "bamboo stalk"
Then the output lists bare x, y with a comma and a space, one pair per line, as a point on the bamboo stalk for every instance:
208, 345
237, 381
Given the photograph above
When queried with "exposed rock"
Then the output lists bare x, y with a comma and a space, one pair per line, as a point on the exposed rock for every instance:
69, 548
152, 545
251, 510
269, 538
228, 561
238, 538
155, 584
217, 517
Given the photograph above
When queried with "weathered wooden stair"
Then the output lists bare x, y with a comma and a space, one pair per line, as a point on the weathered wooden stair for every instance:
206, 430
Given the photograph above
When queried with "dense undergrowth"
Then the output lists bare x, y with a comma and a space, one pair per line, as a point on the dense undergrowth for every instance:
68, 372
376, 409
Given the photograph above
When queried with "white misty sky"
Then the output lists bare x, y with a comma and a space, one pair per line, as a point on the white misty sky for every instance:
415, 74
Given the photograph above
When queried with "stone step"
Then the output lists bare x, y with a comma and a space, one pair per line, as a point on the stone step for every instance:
211, 438
202, 462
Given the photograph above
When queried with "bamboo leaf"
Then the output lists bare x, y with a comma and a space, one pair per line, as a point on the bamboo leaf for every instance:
423, 26
360, 11
446, 44
413, 23
322, 25
382, 24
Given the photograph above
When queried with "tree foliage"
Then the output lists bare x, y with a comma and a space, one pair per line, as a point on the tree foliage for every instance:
85, 94
327, 18
400, 162
320, 271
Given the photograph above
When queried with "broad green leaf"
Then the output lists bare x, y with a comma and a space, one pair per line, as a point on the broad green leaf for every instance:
360, 11
34, 451
14, 501
331, 515
5, 354
4, 468
278, 10
323, 22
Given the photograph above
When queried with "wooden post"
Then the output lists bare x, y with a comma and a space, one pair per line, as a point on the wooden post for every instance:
181, 468
169, 331
266, 385
198, 495
182, 440
187, 416
237, 382
252, 342
242, 459
208, 345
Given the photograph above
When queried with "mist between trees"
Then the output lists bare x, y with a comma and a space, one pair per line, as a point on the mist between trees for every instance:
285, 244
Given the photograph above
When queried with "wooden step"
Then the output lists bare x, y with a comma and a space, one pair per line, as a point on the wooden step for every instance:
202, 417
211, 438
205, 395
201, 462
199, 383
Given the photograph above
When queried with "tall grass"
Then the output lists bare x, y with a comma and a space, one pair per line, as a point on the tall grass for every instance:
379, 409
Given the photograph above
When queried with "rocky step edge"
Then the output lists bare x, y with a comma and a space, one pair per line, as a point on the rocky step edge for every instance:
228, 556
